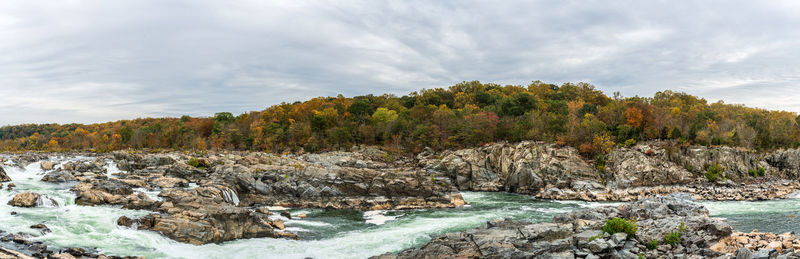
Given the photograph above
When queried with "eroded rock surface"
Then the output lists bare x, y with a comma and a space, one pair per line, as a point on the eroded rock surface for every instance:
25, 199
578, 235
3, 176
630, 173
227, 190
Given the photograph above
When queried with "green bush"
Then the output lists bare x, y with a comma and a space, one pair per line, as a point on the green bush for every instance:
652, 245
761, 171
620, 225
600, 163
682, 228
193, 162
713, 172
672, 238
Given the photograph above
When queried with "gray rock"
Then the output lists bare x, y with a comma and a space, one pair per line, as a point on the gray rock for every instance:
583, 238
619, 238
765, 254
624, 254
58, 177
598, 245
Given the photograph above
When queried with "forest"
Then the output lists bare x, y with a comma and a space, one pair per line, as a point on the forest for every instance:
467, 114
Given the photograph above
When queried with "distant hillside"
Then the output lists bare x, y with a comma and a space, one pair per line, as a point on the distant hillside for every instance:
464, 115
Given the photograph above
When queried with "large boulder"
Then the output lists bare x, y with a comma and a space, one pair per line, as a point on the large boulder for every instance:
25, 199
204, 215
112, 192
47, 165
525, 167
58, 177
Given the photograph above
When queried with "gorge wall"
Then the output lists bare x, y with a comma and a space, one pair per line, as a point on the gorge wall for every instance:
553, 171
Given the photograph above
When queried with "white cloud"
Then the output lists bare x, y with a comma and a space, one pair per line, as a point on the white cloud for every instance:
94, 60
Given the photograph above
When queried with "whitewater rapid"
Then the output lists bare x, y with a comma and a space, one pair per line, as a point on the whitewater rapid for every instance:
325, 233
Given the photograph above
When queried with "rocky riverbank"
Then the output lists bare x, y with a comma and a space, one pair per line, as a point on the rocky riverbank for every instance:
629, 173
673, 226
18, 246
201, 198
213, 198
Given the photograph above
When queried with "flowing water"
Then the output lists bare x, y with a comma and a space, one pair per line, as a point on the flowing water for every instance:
325, 233
777, 216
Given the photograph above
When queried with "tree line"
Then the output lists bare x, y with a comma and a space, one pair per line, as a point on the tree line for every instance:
467, 114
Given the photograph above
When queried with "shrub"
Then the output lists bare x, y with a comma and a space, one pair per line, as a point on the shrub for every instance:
630, 142
620, 225
652, 245
682, 228
586, 149
672, 238
761, 171
713, 172
752, 172
193, 162
600, 163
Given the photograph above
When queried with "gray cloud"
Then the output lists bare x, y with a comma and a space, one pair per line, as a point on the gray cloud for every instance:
93, 61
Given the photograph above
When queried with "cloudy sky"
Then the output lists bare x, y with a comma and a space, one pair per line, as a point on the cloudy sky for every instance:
93, 61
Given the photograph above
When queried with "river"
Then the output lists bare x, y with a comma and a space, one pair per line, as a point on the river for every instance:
324, 233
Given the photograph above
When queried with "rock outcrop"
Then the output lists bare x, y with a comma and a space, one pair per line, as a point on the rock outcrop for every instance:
231, 187
629, 173
756, 241
18, 246
59, 177
579, 234
202, 215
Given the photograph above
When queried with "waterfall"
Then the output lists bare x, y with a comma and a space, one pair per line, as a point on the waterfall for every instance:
47, 202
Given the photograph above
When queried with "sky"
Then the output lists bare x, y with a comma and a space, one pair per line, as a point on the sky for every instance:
94, 61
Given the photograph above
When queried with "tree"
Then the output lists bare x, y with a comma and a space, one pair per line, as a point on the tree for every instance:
634, 117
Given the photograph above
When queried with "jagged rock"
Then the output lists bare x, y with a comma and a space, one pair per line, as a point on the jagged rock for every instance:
200, 216
12, 254
25, 199
765, 254
551, 171
169, 182
526, 167
59, 177
114, 192
41, 227
565, 236
3, 176
47, 165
